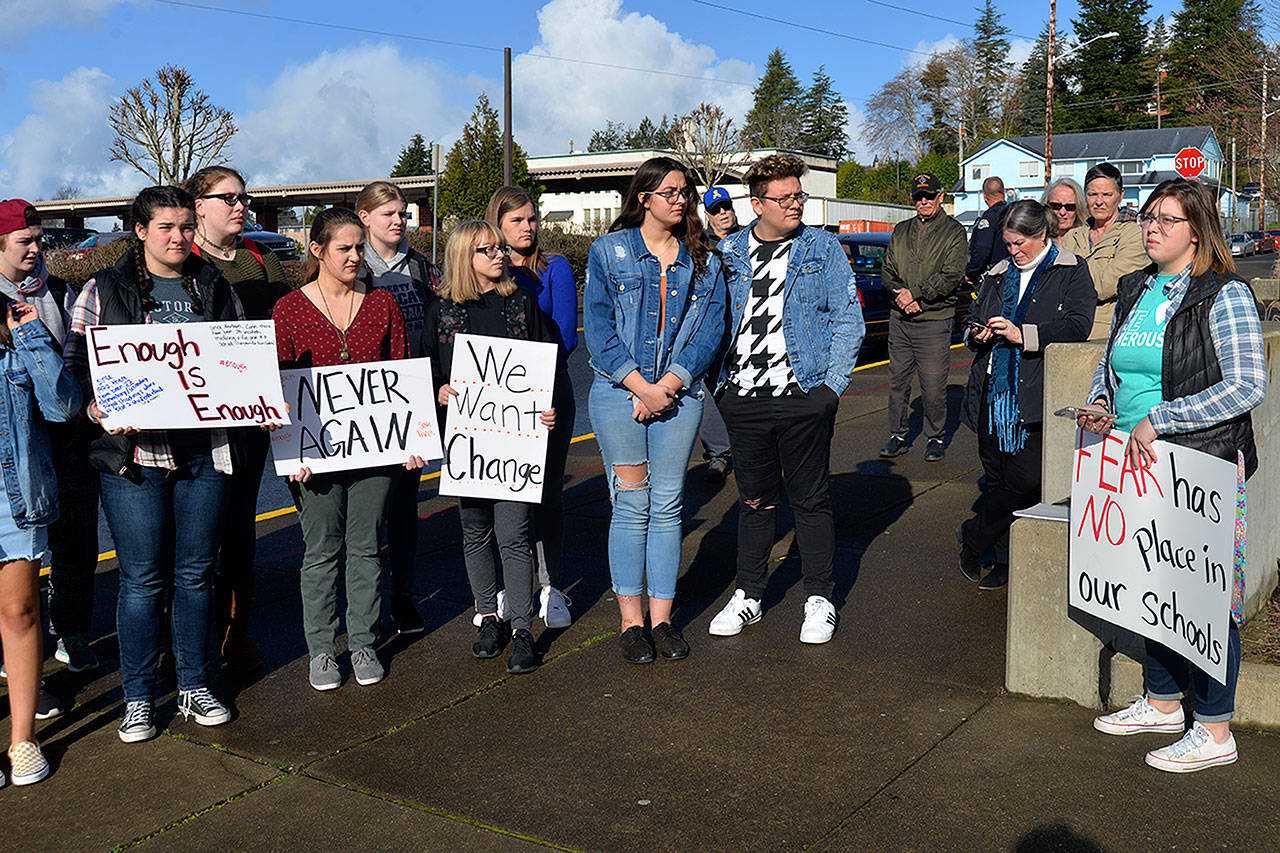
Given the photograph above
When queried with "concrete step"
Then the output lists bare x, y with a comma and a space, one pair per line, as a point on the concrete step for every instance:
1257, 691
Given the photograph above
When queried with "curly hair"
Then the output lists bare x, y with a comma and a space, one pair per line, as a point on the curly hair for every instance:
773, 168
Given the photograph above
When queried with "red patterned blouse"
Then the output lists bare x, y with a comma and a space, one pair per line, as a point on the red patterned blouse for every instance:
306, 338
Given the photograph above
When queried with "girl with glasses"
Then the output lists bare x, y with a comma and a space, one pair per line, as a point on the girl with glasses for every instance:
259, 280
336, 319
653, 315
478, 297
1184, 363
550, 279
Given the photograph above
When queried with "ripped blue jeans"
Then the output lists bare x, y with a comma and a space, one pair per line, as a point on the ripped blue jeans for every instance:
644, 533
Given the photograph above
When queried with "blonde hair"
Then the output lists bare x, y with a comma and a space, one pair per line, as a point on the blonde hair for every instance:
377, 194
460, 283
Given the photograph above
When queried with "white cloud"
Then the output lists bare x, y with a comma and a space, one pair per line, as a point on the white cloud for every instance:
64, 140
24, 16
347, 114
860, 150
1019, 51
555, 101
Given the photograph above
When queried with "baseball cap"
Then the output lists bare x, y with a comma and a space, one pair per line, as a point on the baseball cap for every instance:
714, 196
17, 213
925, 183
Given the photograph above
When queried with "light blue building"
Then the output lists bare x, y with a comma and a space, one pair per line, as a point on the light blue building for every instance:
1144, 158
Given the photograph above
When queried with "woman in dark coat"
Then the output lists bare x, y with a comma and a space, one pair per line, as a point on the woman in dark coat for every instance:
1039, 295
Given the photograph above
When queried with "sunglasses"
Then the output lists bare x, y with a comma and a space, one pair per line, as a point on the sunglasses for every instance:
719, 208
1068, 206
230, 199
923, 196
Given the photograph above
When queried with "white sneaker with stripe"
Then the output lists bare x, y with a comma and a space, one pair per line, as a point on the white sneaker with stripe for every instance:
819, 620
738, 613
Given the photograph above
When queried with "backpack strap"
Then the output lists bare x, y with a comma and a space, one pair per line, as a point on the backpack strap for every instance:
253, 249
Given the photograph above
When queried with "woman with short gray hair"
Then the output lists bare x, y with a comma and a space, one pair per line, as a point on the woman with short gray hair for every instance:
1040, 294
1065, 197
1111, 240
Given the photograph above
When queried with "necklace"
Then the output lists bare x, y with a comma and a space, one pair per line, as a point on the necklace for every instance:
225, 253
345, 354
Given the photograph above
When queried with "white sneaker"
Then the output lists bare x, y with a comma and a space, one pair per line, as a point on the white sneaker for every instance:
736, 615
554, 608
1140, 717
1196, 751
819, 620
503, 615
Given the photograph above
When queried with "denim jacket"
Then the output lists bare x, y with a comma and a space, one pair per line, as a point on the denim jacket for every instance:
821, 315
33, 378
620, 307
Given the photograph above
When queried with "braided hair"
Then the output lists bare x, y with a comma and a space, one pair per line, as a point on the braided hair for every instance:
141, 212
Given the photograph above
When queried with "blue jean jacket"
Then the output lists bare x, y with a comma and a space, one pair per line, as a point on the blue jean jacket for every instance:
620, 307
35, 385
821, 315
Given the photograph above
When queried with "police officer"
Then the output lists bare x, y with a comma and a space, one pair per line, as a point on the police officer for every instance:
986, 248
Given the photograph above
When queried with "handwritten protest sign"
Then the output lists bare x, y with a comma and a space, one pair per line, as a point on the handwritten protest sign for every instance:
184, 375
357, 416
495, 446
1152, 547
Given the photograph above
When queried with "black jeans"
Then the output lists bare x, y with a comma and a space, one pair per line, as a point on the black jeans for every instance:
548, 516
401, 531
777, 442
1013, 483
73, 538
233, 580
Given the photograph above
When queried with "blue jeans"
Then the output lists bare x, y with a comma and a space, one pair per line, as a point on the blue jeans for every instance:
1168, 674
166, 533
644, 533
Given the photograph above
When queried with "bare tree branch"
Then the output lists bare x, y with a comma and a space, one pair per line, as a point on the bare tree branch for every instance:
895, 120
707, 142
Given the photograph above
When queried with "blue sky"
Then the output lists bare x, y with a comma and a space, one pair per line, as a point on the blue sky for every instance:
316, 103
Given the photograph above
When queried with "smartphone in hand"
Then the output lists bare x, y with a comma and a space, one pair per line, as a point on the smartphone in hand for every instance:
1074, 412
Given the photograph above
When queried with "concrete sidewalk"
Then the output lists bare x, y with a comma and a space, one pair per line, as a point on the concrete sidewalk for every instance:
897, 735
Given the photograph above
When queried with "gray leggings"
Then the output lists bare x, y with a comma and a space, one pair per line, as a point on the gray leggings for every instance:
509, 520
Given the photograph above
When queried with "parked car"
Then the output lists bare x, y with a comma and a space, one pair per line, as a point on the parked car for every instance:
94, 241
866, 256
1242, 245
1264, 243
59, 238
283, 247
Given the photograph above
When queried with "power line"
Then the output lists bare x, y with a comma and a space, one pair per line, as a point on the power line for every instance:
419, 38
911, 11
809, 27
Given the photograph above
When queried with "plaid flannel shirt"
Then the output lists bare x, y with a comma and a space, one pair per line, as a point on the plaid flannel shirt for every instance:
153, 449
1237, 341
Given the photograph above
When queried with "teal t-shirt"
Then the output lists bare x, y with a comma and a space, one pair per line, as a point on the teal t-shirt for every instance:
1137, 357
175, 304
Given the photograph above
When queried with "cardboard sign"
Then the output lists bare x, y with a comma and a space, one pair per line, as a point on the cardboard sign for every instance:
186, 375
1152, 547
495, 445
357, 416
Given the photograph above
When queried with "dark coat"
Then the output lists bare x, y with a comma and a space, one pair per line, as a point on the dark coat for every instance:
986, 246
1061, 309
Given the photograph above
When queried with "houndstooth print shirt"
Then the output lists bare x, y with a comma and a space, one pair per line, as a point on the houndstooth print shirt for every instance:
759, 366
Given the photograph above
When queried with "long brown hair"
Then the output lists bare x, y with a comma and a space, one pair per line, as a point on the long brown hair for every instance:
688, 231
141, 212
323, 229
460, 283
507, 199
1212, 252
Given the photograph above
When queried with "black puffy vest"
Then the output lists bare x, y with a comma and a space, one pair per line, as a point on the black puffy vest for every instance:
120, 302
1190, 363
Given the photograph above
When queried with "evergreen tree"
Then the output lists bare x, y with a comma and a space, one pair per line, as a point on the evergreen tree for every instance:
1029, 103
612, 137
473, 166
991, 49
1108, 69
415, 159
1209, 36
823, 117
775, 117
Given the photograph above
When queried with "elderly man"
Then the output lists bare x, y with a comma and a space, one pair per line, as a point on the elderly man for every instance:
923, 268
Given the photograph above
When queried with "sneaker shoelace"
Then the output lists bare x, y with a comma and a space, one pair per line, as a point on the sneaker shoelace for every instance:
136, 713
1139, 708
362, 657
197, 701
326, 663
555, 594
1197, 737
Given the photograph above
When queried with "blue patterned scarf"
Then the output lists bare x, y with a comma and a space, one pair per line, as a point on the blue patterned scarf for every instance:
1002, 387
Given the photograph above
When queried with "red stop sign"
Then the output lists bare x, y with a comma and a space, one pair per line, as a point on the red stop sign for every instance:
1189, 163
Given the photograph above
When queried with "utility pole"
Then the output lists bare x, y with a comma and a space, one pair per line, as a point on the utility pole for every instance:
1262, 156
1233, 185
961, 162
1159, 74
1048, 97
435, 198
506, 116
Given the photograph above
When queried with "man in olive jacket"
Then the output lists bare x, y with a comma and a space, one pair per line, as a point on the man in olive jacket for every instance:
923, 268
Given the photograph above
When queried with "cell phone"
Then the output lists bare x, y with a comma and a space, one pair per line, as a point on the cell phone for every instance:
14, 311
1075, 412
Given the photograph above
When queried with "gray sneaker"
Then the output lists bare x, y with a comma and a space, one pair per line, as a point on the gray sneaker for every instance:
325, 674
366, 667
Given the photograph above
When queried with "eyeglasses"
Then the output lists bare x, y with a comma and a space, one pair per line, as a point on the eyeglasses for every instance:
671, 194
1068, 206
1164, 220
493, 251
796, 200
922, 196
230, 199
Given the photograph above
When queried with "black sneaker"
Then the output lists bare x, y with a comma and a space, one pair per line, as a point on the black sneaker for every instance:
970, 560
201, 704
74, 651
996, 578
522, 658
636, 647
718, 469
895, 446
47, 705
137, 725
935, 450
490, 638
406, 615
669, 643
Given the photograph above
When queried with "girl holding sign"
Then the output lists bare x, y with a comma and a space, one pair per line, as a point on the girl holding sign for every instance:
336, 319
258, 279
37, 390
163, 491
653, 313
478, 297
1184, 363
550, 279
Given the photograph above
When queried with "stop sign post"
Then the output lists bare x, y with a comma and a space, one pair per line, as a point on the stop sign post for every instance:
1189, 162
